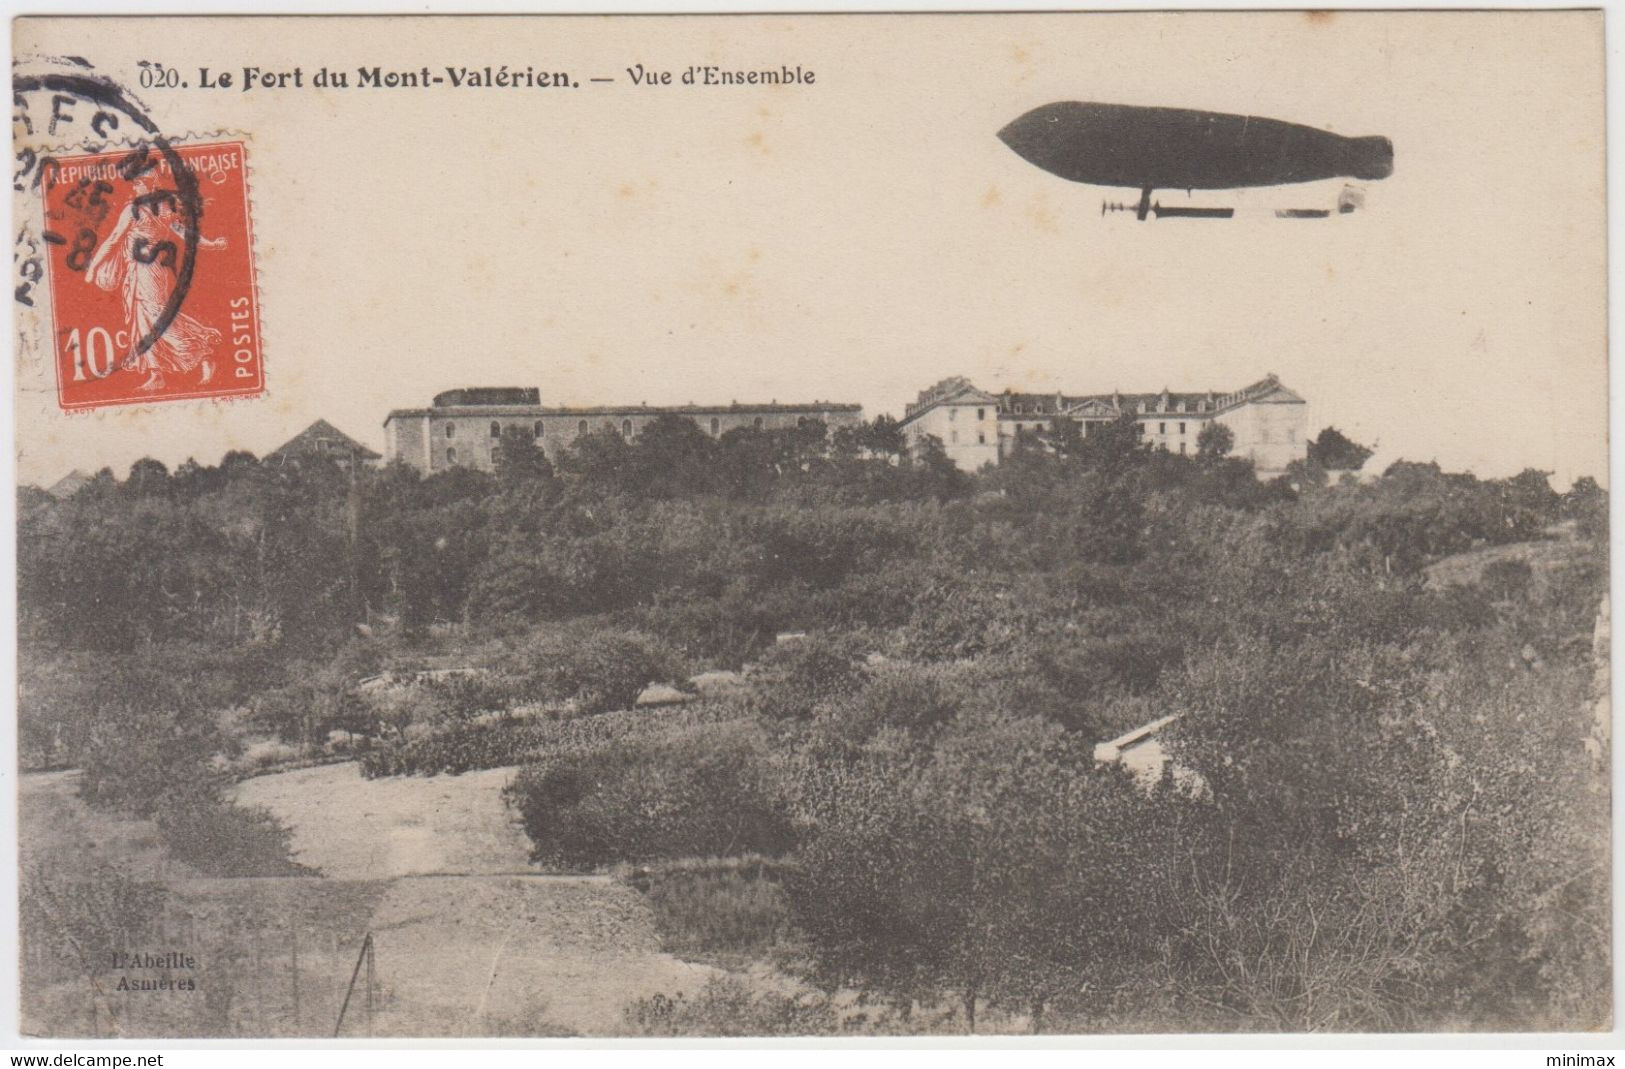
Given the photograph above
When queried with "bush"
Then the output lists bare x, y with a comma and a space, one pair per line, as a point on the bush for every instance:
66, 925
727, 1006
795, 676
600, 670
685, 792
464, 746
723, 911
262, 754
727, 631
914, 700
453, 748
221, 839
1507, 579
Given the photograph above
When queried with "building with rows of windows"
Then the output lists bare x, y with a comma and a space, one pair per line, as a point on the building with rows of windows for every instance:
1268, 421
461, 428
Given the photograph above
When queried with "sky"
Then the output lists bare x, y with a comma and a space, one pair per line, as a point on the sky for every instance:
862, 237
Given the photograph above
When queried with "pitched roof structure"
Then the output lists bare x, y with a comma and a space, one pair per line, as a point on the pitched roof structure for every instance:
1013, 405
68, 485
956, 390
319, 439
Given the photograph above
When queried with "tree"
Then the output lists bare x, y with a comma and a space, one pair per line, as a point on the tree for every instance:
519, 460
148, 478
1065, 436
1109, 447
1215, 440
238, 462
598, 462
672, 457
884, 437
1334, 451
1587, 504
1528, 502
935, 473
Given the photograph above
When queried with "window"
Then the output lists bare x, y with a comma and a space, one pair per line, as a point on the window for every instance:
626, 428
981, 439
1162, 428
953, 437
1182, 428
953, 414
323, 444
981, 414
581, 428
757, 423
451, 430
1182, 447
451, 456
536, 431
1020, 409
716, 426
496, 429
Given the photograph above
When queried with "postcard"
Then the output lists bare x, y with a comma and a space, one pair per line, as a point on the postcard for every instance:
812, 525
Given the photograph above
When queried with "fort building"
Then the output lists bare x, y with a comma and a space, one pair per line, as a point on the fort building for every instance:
461, 428
1268, 421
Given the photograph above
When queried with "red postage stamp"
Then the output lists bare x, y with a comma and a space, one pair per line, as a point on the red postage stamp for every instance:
151, 267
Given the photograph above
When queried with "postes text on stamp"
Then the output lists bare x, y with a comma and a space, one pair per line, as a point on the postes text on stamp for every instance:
152, 284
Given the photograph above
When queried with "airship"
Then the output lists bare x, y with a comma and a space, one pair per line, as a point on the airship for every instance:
1151, 148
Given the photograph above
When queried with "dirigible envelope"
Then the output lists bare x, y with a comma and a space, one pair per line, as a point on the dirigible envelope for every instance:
1177, 148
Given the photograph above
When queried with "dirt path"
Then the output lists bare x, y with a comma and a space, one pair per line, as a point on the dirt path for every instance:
516, 956
351, 828
468, 940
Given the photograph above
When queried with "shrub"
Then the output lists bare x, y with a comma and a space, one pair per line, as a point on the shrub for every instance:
1507, 579
726, 911
452, 748
262, 754
66, 925
221, 839
464, 746
916, 700
600, 670
795, 676
728, 630
685, 792
727, 1006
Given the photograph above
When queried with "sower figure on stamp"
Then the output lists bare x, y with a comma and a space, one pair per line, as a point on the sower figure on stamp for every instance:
141, 255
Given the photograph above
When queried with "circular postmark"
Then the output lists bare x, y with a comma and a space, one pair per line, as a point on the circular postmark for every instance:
65, 107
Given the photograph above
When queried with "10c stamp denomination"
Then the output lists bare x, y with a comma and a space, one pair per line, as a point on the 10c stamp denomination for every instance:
134, 318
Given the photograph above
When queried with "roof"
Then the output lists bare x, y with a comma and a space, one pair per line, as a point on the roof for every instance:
1267, 390
68, 485
488, 395
541, 411
305, 443
956, 390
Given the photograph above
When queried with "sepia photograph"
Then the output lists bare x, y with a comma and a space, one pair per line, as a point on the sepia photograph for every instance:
924, 526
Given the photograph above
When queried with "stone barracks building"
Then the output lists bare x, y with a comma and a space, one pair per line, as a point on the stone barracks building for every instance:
1269, 421
462, 427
